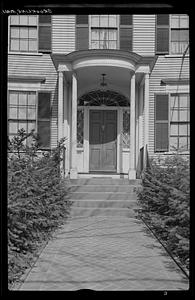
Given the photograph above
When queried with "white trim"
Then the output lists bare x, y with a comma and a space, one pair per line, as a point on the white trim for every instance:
86, 140
26, 53
24, 86
177, 88
103, 61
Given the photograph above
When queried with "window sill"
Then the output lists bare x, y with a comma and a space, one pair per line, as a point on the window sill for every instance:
173, 152
25, 53
176, 55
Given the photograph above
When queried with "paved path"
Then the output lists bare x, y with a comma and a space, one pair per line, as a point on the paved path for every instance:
104, 253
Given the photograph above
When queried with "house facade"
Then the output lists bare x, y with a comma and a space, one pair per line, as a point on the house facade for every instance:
115, 86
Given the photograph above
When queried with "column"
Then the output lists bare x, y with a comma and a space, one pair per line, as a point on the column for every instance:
73, 170
66, 128
132, 167
146, 115
60, 117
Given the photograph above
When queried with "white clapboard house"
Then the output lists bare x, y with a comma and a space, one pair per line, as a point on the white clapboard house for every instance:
116, 86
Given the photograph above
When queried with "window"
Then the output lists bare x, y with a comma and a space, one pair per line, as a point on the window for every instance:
126, 129
104, 30
22, 112
23, 33
179, 121
179, 33
80, 127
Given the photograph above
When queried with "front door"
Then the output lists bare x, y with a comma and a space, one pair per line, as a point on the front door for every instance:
102, 140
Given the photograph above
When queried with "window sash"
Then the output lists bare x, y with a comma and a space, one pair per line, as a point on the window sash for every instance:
179, 32
179, 130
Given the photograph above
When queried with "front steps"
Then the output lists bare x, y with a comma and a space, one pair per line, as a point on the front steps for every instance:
102, 197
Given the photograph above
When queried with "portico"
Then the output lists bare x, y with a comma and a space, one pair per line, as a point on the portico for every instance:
105, 127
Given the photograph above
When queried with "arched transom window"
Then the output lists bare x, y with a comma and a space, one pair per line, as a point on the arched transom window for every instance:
103, 98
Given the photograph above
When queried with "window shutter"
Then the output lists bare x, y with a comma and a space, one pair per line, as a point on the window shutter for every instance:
126, 32
82, 32
162, 34
45, 33
161, 122
44, 119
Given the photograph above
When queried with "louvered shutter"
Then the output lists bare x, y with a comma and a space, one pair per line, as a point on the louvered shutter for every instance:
162, 34
44, 119
82, 32
45, 33
161, 122
126, 32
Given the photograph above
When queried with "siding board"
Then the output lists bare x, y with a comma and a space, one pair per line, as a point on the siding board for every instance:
144, 34
63, 33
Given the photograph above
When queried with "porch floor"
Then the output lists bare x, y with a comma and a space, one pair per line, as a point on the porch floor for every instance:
104, 251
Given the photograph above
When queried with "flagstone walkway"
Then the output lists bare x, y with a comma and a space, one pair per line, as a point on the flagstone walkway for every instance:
104, 253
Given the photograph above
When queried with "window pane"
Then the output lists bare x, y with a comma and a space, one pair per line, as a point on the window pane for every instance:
22, 113
32, 33
174, 129
14, 20
14, 32
175, 34
103, 35
24, 45
174, 115
95, 34
13, 98
24, 20
95, 45
183, 129
173, 142
14, 45
95, 21
174, 101
112, 21
104, 44
184, 35
183, 143
33, 45
22, 125
31, 113
32, 20
31, 126
103, 20
13, 128
183, 101
112, 45
13, 113
183, 115
184, 21
174, 21
24, 33
22, 99
112, 34
31, 99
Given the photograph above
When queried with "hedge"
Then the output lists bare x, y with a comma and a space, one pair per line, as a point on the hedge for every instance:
36, 201
165, 202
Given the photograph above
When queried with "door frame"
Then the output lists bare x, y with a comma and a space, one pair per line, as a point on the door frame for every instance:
86, 135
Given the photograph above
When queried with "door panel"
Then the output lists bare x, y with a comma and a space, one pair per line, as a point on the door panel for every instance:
102, 140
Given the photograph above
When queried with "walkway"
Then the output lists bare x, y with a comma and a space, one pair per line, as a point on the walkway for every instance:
104, 253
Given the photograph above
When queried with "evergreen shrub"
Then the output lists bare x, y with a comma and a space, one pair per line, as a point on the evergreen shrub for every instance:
36, 200
165, 203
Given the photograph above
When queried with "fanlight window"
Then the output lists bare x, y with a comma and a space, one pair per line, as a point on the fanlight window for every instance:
103, 98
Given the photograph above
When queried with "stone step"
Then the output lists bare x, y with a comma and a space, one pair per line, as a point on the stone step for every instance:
102, 188
102, 181
89, 212
101, 196
105, 204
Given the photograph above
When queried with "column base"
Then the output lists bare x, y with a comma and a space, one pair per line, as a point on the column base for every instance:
73, 174
132, 174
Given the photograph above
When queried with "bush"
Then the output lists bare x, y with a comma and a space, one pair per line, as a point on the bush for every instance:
165, 202
36, 201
